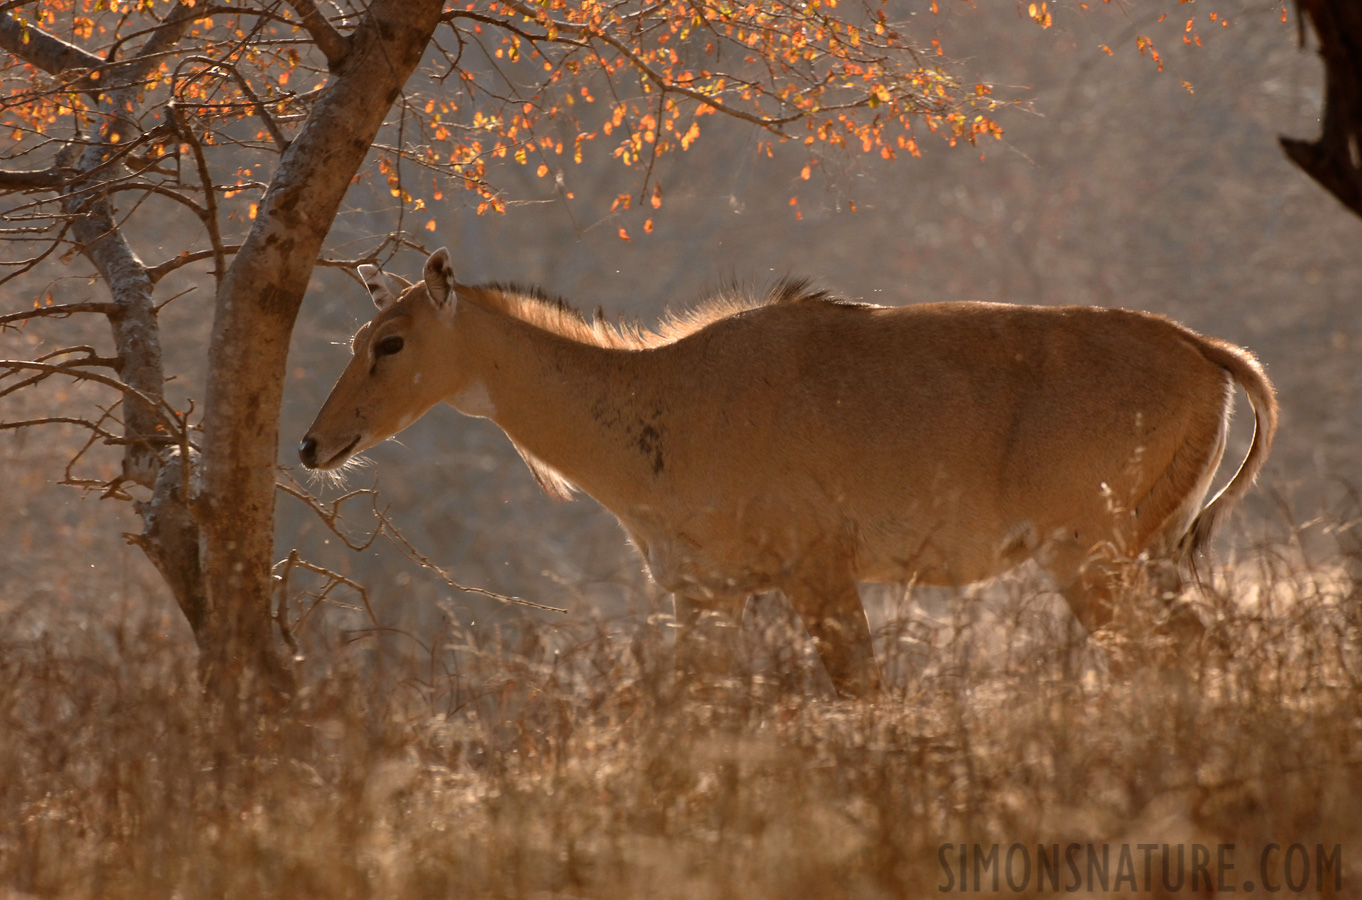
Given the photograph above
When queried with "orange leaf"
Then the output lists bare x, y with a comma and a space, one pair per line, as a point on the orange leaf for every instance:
624, 235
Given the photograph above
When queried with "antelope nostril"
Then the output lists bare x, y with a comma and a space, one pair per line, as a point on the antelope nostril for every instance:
307, 452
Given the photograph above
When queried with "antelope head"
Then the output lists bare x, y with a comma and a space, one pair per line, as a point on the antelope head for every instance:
402, 365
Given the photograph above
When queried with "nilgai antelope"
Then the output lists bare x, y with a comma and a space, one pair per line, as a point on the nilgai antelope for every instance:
796, 442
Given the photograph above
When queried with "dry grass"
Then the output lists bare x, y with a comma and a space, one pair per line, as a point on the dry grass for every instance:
524, 762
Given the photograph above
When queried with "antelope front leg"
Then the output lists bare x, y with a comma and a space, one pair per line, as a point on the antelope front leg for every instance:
707, 639
833, 614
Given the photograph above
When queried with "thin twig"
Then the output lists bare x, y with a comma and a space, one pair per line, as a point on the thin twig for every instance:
209, 214
261, 111
394, 536
336, 580
281, 607
163, 409
157, 272
330, 514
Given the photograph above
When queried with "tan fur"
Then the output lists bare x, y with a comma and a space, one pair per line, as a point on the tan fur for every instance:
797, 443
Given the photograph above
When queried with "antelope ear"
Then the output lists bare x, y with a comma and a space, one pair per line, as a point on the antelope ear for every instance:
384, 288
439, 277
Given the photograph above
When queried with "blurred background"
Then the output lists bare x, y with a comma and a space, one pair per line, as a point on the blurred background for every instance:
1115, 184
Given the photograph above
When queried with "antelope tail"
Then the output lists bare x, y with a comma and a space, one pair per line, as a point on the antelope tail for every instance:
1249, 375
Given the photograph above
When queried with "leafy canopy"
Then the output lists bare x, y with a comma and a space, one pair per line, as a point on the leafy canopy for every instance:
545, 85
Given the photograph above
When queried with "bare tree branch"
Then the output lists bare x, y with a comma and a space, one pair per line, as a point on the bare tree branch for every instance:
159, 190
209, 214
334, 45
330, 515
163, 40
284, 586
59, 311
159, 271
33, 179
107, 436
46, 51
334, 580
215, 66
164, 410
396, 538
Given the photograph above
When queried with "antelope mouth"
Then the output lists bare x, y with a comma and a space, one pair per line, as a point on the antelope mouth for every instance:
307, 452
340, 456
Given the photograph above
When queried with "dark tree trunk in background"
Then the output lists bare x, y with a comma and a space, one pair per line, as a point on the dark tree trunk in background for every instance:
1335, 158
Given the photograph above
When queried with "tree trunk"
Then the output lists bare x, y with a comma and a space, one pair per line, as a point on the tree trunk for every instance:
170, 536
257, 304
1335, 158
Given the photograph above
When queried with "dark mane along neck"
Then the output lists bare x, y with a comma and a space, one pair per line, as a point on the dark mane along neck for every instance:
554, 314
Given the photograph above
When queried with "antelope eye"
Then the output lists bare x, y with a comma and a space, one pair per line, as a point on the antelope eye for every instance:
388, 346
